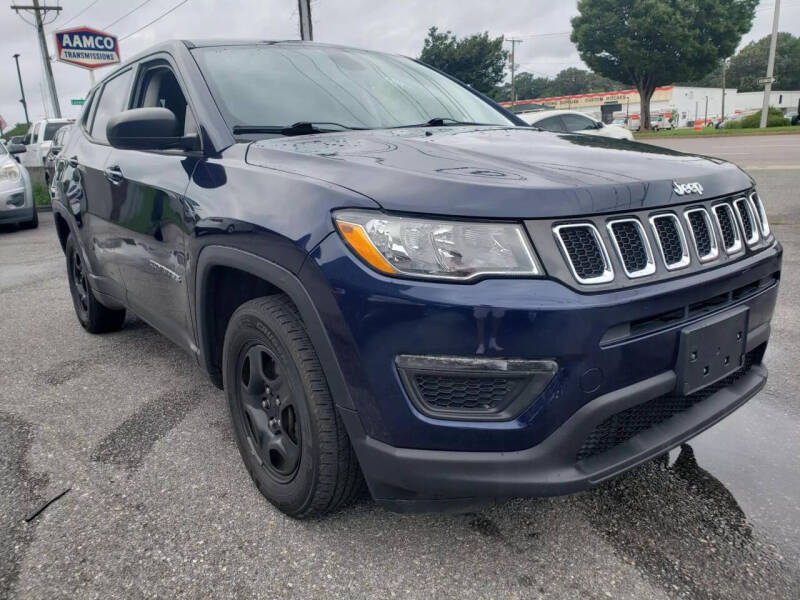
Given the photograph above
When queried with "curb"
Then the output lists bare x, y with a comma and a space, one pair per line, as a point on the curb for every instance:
44, 208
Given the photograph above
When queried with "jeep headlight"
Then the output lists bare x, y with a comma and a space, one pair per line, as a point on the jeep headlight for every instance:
9, 172
437, 249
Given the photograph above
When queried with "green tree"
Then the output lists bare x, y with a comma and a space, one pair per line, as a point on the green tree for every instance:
477, 60
751, 63
648, 43
573, 81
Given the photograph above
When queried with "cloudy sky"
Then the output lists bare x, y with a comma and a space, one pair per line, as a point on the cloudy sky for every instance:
390, 25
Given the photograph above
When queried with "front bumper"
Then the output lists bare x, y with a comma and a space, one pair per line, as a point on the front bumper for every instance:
413, 480
410, 458
9, 212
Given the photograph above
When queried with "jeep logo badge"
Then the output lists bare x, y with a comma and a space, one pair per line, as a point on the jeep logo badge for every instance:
681, 189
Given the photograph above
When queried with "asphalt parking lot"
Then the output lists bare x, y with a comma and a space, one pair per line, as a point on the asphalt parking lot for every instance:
160, 504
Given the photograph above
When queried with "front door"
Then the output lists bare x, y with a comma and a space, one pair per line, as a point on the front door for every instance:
147, 191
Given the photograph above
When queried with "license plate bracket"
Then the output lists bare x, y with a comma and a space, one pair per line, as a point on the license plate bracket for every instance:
711, 349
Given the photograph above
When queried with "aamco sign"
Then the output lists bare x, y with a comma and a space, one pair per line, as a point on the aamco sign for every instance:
87, 47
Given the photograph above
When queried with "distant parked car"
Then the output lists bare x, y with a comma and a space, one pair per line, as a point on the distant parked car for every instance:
53, 152
793, 117
16, 191
569, 121
39, 139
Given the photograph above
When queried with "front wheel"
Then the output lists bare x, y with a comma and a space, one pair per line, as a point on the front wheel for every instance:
288, 431
93, 316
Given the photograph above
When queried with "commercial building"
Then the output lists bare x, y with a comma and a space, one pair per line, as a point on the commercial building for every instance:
683, 104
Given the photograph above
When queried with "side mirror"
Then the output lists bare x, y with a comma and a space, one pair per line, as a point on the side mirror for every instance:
148, 129
600, 125
16, 148
26, 140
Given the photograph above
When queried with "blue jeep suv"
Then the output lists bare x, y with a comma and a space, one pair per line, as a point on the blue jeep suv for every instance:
397, 282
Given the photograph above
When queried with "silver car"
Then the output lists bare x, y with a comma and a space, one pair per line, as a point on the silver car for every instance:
16, 192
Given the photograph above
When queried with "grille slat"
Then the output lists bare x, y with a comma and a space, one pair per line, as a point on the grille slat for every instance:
671, 241
746, 220
761, 214
632, 247
705, 242
731, 240
622, 426
585, 252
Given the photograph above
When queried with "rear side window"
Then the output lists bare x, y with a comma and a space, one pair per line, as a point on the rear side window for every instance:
577, 122
112, 100
551, 124
50, 130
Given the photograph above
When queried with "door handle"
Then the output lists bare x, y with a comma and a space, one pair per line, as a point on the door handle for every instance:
73, 161
114, 175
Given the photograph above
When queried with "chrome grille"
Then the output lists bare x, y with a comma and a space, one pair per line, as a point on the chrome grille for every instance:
585, 252
705, 241
632, 247
746, 220
729, 230
670, 240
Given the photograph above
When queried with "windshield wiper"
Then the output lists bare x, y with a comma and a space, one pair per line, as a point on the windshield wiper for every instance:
299, 128
440, 122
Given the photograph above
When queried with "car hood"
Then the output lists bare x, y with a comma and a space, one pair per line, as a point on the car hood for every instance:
504, 172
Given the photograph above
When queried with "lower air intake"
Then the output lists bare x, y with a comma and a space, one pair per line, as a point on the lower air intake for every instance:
621, 427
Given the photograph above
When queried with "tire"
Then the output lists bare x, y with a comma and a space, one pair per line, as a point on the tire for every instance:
33, 223
286, 426
93, 316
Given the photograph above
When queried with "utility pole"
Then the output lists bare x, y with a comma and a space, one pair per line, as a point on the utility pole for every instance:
724, 67
514, 42
304, 8
770, 64
22, 91
40, 14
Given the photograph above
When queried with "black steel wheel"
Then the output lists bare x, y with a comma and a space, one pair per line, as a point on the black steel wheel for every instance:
287, 428
92, 315
268, 411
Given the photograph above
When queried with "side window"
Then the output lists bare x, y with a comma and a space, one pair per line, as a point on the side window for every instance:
577, 122
159, 88
112, 101
551, 124
35, 136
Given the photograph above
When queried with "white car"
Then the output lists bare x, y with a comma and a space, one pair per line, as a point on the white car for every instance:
38, 140
570, 121
16, 191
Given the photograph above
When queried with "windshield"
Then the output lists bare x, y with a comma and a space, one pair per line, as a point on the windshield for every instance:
280, 85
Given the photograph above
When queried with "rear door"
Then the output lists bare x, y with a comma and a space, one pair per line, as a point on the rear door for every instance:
148, 196
87, 190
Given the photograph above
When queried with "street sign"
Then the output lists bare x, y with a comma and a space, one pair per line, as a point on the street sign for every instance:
766, 80
87, 48
77, 101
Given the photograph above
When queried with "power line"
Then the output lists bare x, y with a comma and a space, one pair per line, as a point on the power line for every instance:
87, 7
130, 12
178, 5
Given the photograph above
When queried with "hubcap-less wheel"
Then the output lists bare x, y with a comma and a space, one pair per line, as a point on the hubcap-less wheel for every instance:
79, 278
268, 410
